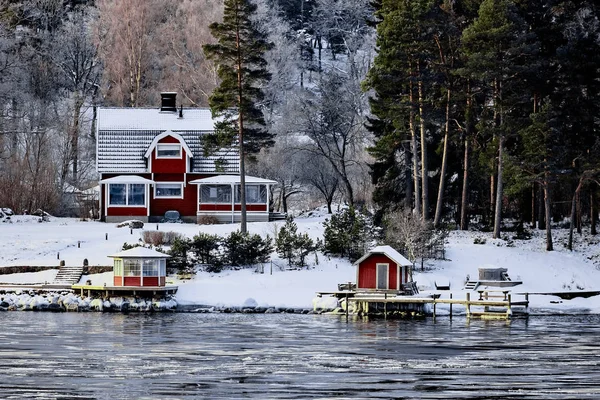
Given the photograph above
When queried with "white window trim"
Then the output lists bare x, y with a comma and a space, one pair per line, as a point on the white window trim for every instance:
387, 276
168, 197
158, 145
145, 205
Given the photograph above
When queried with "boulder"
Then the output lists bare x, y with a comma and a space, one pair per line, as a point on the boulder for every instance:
55, 307
250, 303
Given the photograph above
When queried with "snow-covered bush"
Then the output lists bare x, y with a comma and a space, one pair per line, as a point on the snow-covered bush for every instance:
294, 246
346, 234
180, 259
243, 249
206, 248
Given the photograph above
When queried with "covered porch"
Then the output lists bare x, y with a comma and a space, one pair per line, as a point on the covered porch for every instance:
219, 197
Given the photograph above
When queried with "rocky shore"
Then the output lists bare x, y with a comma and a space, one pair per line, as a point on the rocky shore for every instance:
67, 301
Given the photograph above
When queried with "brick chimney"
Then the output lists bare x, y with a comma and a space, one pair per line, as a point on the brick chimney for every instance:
168, 102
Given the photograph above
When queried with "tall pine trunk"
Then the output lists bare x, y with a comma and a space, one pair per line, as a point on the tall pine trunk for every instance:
415, 152
424, 158
243, 222
408, 179
440, 198
533, 204
464, 217
498, 119
548, 211
574, 201
499, 191
593, 210
541, 220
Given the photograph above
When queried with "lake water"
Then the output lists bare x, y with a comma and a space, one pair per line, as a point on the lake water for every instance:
284, 356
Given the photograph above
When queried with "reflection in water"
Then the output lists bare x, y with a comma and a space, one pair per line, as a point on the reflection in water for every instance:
179, 356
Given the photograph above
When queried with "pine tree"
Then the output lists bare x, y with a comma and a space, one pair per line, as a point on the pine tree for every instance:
235, 103
499, 49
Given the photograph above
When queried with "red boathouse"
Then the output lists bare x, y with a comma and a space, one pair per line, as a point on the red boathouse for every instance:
139, 267
382, 268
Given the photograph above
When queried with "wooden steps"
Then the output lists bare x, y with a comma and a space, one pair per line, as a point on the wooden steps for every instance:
68, 276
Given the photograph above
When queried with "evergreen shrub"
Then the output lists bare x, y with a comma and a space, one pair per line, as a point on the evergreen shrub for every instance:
346, 234
294, 246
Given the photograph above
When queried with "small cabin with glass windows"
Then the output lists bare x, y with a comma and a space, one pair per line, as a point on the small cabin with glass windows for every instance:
382, 268
139, 267
152, 161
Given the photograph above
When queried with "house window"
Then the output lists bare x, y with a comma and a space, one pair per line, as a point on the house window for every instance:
132, 267
215, 194
150, 268
117, 194
168, 190
168, 151
162, 267
118, 268
127, 194
255, 194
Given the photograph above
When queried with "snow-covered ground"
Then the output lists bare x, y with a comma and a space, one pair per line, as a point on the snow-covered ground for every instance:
25, 241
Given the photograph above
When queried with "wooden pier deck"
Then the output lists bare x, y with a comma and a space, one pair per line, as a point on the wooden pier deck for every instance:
491, 304
142, 291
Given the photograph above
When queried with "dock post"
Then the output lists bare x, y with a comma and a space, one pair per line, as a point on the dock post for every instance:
527, 305
434, 307
486, 308
468, 304
450, 306
347, 307
508, 309
385, 305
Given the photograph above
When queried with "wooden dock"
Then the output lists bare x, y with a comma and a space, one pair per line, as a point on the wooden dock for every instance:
141, 291
489, 304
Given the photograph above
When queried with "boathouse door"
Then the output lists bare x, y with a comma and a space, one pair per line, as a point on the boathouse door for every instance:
382, 276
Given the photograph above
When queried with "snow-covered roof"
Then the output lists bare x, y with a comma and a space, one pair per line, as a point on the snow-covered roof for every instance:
139, 252
231, 179
127, 179
146, 119
389, 252
125, 135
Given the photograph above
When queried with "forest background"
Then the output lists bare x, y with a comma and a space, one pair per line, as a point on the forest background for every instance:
481, 112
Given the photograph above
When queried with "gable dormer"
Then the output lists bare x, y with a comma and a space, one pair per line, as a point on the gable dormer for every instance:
168, 153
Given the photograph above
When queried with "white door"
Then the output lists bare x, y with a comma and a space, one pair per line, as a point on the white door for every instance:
382, 276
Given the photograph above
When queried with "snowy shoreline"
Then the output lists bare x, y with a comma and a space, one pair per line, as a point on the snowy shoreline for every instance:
25, 241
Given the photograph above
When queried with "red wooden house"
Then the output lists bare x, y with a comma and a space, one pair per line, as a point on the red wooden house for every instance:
382, 268
151, 161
